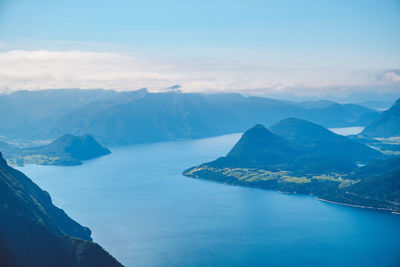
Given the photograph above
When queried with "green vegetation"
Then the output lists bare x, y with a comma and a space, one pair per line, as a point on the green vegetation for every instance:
253, 175
387, 146
306, 158
302, 147
66, 150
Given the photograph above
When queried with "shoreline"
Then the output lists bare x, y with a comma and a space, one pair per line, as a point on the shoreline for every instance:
397, 212
359, 206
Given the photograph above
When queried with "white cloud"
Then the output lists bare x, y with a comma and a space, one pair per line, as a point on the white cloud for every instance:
392, 76
43, 69
76, 69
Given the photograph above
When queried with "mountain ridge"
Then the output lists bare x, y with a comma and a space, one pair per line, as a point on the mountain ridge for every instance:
123, 118
34, 232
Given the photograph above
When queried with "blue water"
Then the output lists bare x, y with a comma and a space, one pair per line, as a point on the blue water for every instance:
347, 130
145, 213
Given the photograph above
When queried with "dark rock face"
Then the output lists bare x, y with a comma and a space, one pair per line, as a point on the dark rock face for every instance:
387, 125
34, 232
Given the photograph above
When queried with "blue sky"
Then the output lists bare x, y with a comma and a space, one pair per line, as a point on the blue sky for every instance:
342, 42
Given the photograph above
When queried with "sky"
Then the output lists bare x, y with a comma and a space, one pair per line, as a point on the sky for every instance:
309, 47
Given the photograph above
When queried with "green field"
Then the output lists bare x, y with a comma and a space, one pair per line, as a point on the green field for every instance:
256, 175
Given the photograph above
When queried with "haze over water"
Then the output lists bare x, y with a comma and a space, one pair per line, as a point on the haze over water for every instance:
145, 213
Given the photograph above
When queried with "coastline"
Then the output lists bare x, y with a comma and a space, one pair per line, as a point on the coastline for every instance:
359, 206
397, 212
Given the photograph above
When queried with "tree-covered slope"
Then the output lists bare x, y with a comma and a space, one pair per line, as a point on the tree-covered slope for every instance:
77, 147
318, 140
299, 146
258, 147
379, 186
65, 150
301, 157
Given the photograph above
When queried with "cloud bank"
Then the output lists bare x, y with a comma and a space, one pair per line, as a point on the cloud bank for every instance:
392, 76
43, 69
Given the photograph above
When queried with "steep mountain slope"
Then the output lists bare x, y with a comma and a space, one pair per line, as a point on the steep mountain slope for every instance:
258, 147
296, 145
156, 117
33, 232
24, 112
316, 139
387, 125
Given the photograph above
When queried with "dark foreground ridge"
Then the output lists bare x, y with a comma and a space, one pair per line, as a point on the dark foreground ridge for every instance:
34, 232
297, 156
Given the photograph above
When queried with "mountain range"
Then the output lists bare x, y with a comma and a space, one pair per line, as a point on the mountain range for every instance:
119, 118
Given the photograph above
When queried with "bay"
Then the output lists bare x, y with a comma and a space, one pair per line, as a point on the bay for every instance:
145, 213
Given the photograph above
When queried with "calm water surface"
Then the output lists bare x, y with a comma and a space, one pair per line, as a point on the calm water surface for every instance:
145, 213
347, 130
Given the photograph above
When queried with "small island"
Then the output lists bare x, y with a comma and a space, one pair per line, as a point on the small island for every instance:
67, 150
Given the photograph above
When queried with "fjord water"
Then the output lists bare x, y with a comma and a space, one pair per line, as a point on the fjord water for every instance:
145, 213
347, 130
